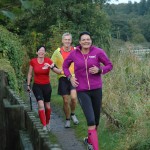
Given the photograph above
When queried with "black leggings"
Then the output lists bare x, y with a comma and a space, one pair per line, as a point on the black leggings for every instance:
91, 102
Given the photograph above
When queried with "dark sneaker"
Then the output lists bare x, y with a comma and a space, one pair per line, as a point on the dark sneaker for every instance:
89, 146
85, 140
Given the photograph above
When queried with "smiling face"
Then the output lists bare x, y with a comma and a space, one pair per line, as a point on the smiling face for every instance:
41, 52
85, 41
67, 40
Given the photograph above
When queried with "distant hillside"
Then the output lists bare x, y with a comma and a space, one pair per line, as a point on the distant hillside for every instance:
130, 22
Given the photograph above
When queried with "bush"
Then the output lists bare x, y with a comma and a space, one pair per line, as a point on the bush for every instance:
12, 80
12, 50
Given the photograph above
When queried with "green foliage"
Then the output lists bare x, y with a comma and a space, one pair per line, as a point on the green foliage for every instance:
10, 10
8, 14
121, 29
138, 38
12, 80
130, 22
142, 144
145, 26
12, 50
70, 16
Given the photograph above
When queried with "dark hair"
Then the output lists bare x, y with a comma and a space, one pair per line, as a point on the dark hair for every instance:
40, 47
84, 33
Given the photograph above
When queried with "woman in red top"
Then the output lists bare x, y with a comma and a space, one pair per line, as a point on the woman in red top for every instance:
41, 66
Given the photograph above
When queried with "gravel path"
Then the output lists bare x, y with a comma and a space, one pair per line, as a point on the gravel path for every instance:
65, 137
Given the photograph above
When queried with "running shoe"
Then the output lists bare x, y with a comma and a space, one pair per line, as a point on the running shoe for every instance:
89, 146
44, 128
74, 119
48, 127
67, 124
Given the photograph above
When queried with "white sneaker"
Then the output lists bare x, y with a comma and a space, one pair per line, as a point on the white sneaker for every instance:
74, 119
48, 127
89, 146
67, 124
44, 128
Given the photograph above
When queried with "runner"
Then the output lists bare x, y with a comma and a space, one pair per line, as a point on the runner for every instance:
65, 89
40, 66
87, 61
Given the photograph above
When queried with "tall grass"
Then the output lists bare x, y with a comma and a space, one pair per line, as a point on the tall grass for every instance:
126, 97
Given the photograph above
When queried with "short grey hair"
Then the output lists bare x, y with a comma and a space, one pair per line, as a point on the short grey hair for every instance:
66, 34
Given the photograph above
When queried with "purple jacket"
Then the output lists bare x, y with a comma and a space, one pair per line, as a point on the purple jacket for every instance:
82, 63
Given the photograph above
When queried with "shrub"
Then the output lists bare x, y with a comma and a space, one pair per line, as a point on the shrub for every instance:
12, 49
12, 80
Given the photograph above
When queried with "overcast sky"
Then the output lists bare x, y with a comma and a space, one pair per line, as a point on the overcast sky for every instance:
123, 1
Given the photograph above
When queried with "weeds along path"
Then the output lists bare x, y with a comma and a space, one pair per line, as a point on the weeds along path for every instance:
65, 137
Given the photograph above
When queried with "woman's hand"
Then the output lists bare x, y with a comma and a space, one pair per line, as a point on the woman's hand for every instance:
74, 81
94, 70
46, 65
28, 88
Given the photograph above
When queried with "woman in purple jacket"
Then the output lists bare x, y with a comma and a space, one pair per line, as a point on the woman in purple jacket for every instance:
87, 61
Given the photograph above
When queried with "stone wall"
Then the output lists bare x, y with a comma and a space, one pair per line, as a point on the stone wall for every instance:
20, 128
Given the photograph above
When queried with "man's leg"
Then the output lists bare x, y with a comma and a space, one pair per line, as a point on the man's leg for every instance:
66, 109
73, 104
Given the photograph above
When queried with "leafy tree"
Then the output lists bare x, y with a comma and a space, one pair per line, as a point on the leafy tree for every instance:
146, 30
121, 29
56, 17
135, 7
13, 9
142, 7
129, 7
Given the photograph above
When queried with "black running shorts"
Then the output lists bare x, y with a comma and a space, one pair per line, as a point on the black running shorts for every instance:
42, 92
64, 86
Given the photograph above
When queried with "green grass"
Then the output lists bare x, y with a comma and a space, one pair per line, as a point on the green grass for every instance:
53, 138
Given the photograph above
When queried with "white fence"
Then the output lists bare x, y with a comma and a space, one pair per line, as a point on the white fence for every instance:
141, 53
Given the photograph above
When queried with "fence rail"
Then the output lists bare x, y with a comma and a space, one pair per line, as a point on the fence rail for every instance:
139, 52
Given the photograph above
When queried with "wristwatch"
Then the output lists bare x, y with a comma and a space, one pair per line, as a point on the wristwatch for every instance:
69, 77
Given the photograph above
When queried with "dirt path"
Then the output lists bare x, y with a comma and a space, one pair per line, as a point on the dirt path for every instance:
65, 137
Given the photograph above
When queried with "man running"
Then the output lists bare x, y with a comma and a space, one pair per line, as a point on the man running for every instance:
65, 89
